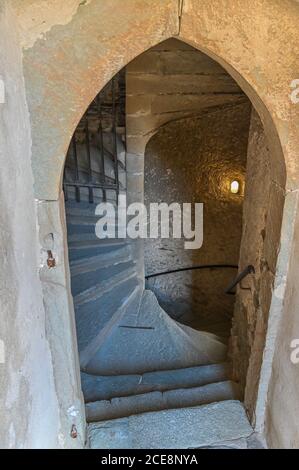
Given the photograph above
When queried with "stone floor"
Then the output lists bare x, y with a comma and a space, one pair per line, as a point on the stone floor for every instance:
217, 425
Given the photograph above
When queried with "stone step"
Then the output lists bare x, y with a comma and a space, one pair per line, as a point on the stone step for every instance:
104, 387
97, 290
149, 340
88, 219
122, 407
94, 277
119, 254
80, 225
91, 236
95, 319
86, 249
130, 303
182, 428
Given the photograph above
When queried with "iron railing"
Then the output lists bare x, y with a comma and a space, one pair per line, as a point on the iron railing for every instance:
106, 112
248, 270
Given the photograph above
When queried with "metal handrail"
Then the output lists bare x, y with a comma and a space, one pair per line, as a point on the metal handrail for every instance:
189, 268
248, 270
74, 158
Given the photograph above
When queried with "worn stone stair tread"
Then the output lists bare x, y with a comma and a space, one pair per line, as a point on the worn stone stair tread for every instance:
193, 334
101, 274
85, 249
130, 303
79, 220
89, 219
152, 341
92, 237
118, 255
120, 407
106, 387
95, 242
184, 428
81, 225
91, 317
112, 282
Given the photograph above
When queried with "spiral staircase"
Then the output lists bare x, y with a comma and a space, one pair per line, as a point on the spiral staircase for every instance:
148, 381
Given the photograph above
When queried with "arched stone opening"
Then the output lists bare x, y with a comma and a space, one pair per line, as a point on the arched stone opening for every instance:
51, 141
80, 95
238, 229
258, 150
258, 234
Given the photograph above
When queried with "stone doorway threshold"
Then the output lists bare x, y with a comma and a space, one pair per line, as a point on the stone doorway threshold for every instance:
217, 425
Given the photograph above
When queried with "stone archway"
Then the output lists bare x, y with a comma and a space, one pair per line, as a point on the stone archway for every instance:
58, 98
67, 64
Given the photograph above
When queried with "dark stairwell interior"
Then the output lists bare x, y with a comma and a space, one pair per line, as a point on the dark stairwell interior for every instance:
163, 349
197, 159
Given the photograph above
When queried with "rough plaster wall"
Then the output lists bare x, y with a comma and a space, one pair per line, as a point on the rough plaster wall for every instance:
60, 321
28, 407
78, 49
141, 24
244, 43
262, 215
282, 406
36, 18
194, 160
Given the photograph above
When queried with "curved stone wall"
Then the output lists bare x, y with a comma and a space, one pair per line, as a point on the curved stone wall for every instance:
195, 160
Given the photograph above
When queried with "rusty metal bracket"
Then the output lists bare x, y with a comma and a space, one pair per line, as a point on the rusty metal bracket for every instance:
51, 262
